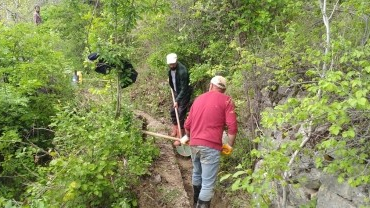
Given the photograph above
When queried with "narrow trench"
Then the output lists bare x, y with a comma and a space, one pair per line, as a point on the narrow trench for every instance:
185, 167
219, 200
148, 191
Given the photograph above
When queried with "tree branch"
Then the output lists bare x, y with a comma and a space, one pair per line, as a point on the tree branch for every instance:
285, 176
335, 8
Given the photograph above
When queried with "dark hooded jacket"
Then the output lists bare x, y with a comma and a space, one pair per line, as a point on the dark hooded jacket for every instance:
128, 74
183, 92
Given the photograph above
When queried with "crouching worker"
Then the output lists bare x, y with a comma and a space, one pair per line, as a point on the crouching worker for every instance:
127, 73
210, 113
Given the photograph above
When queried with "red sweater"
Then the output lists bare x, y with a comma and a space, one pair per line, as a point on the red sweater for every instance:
208, 116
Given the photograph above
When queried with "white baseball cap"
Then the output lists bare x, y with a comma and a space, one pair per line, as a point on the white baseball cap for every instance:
219, 81
171, 58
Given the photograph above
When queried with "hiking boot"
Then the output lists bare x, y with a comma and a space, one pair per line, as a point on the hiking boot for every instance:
196, 190
203, 204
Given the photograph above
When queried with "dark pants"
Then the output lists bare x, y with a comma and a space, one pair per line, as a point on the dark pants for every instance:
182, 110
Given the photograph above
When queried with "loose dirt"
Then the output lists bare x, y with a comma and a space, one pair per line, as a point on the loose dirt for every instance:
169, 183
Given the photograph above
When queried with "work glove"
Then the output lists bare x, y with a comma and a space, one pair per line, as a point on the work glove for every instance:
184, 140
226, 149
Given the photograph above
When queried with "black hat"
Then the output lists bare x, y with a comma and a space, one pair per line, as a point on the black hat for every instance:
93, 56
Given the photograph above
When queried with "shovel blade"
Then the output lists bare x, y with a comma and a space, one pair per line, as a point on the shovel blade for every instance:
184, 150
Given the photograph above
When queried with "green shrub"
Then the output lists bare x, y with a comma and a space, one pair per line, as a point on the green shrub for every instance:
95, 161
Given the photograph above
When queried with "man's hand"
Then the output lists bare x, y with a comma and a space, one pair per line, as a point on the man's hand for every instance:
184, 140
175, 105
226, 149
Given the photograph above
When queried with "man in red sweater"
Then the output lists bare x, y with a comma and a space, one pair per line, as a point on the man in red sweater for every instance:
210, 113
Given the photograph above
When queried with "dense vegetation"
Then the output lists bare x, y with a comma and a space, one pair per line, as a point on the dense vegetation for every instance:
60, 143
299, 68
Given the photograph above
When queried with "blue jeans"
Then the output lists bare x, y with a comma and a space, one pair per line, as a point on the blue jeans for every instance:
205, 167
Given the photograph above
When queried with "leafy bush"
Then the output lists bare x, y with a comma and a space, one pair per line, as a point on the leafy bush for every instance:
95, 161
326, 111
32, 83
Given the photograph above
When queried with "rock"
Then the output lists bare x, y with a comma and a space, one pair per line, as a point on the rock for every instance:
156, 179
330, 199
334, 194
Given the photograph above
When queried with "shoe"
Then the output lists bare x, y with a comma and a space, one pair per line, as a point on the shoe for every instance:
203, 204
196, 190
174, 131
176, 143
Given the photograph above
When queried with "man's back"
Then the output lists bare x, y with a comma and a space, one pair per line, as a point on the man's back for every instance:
208, 116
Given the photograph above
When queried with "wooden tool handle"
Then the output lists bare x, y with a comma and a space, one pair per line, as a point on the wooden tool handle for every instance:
161, 135
177, 113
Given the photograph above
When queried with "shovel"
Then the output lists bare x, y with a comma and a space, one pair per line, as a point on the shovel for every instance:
183, 150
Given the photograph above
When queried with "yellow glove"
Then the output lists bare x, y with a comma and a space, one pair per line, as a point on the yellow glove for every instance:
226, 149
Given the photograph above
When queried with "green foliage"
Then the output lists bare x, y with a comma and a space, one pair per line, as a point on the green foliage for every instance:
14, 12
32, 82
17, 166
111, 28
208, 35
95, 161
262, 47
334, 99
32, 76
311, 204
85, 163
13, 106
70, 20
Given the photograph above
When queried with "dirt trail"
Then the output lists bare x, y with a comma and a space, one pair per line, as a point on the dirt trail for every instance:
169, 184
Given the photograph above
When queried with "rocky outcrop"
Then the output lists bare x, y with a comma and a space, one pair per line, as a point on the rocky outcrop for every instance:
310, 185
325, 191
333, 194
307, 184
